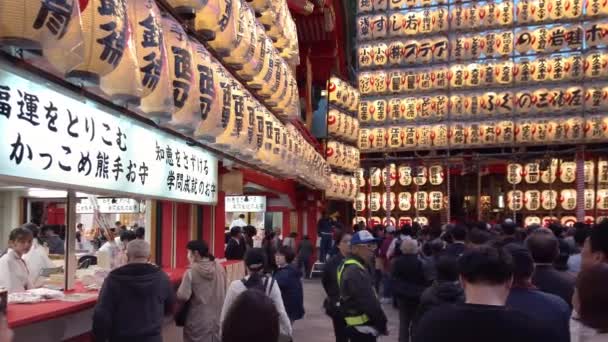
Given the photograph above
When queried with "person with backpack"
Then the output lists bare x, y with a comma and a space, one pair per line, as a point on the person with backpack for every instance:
255, 261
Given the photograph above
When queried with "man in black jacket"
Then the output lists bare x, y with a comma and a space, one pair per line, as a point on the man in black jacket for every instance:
359, 302
330, 284
544, 247
134, 300
235, 249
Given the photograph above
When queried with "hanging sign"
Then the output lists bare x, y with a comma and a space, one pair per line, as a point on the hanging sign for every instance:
108, 206
246, 204
58, 137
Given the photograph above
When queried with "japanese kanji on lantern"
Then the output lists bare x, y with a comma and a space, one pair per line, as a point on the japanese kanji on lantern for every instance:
153, 66
218, 21
186, 112
103, 34
342, 94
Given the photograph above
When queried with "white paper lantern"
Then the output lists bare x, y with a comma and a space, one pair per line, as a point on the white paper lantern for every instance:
186, 7
218, 20
549, 199
405, 201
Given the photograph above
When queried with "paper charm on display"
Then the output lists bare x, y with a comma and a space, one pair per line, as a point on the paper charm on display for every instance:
549, 199
515, 200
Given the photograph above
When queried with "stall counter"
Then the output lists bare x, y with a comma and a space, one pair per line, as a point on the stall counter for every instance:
65, 320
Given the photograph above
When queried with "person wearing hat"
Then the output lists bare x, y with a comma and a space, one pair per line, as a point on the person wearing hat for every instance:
235, 249
359, 304
256, 280
134, 300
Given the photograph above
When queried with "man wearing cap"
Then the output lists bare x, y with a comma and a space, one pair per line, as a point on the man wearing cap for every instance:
133, 300
359, 304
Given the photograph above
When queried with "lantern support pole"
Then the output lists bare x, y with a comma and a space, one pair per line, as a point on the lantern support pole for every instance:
596, 178
478, 192
580, 183
448, 191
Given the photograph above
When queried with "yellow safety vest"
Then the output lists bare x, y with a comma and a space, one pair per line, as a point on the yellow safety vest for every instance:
352, 320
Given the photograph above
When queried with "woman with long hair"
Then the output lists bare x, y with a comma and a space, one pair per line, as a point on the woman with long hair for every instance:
203, 289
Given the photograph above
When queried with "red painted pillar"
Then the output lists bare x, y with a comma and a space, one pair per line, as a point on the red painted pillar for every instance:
167, 234
207, 224
220, 225
182, 233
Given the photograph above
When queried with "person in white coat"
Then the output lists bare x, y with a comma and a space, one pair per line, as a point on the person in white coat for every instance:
14, 275
239, 222
255, 260
37, 258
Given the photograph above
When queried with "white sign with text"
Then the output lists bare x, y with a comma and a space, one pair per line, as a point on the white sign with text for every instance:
246, 204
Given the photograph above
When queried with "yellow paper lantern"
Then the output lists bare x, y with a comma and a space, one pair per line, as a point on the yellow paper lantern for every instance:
182, 76
575, 129
524, 11
380, 54
214, 97
379, 110
218, 20
568, 199
232, 139
364, 112
421, 199
515, 200
364, 143
186, 7
439, 134
247, 39
395, 140
104, 34
378, 139
596, 64
596, 8
539, 10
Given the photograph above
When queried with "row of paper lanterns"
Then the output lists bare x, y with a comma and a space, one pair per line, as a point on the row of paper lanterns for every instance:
566, 220
533, 200
136, 55
491, 44
474, 16
403, 201
405, 175
342, 95
342, 156
565, 171
592, 65
342, 187
392, 221
487, 104
487, 133
280, 26
342, 125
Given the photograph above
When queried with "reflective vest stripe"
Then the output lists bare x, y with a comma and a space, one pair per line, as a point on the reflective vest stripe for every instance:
352, 320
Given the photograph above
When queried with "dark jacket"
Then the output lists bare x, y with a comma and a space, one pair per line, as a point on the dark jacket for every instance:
455, 249
547, 279
330, 283
132, 304
441, 292
359, 297
305, 249
408, 278
545, 307
235, 250
324, 227
289, 280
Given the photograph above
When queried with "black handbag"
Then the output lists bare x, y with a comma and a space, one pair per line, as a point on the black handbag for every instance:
182, 314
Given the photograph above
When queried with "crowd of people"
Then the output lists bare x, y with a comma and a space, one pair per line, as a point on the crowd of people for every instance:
472, 282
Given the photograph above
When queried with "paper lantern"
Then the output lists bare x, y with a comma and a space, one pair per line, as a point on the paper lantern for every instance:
532, 173
425, 79
359, 203
474, 137
218, 21
439, 18
379, 26
358, 219
182, 75
439, 135
596, 128
378, 110
550, 174
422, 220
423, 136
514, 173
596, 64
589, 171
395, 52
388, 201
364, 27
436, 200
354, 132
405, 201
380, 54
548, 220
549, 199
424, 52
421, 200
596, 8
364, 6
567, 172
420, 175
596, 34
364, 142
541, 129
568, 221
472, 15
568, 199
602, 199
365, 86
411, 20
104, 34
410, 140
458, 17
394, 137
374, 201
458, 134
186, 7
396, 4
574, 66
152, 66
524, 131
375, 176
589, 201
515, 200
488, 133
596, 97
364, 53
532, 220
395, 26
405, 175
456, 76
379, 82
539, 10
504, 15
374, 221
573, 9
333, 153
389, 175
245, 46
504, 132
532, 200
378, 138
436, 175
523, 12
575, 129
